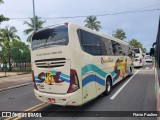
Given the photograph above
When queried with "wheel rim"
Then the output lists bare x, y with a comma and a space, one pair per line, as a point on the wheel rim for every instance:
108, 86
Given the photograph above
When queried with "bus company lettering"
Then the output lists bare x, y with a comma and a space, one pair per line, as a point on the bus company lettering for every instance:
49, 78
50, 53
106, 60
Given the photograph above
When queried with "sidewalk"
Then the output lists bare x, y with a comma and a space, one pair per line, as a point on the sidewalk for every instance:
15, 80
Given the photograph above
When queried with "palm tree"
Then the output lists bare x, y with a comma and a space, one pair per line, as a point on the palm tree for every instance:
7, 35
1, 1
92, 23
120, 34
30, 25
3, 18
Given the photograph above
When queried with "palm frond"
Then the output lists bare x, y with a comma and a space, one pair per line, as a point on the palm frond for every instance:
28, 31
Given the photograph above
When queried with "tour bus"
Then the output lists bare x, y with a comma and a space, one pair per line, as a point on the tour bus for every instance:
155, 52
72, 65
139, 59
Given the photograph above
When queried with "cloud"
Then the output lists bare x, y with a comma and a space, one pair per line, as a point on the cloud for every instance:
141, 26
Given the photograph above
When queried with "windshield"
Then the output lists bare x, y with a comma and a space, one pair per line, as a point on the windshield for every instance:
136, 50
147, 53
50, 36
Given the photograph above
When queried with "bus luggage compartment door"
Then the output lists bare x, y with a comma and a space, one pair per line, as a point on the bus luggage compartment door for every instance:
89, 86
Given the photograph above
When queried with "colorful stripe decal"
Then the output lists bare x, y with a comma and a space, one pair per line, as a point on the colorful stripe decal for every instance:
91, 67
63, 77
92, 78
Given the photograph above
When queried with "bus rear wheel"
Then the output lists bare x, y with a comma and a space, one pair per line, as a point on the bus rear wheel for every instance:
108, 86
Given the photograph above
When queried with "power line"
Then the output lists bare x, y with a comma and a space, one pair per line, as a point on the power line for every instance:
98, 15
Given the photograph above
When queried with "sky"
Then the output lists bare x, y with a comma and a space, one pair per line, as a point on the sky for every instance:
142, 25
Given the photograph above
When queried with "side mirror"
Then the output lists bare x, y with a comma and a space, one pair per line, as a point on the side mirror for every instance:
152, 52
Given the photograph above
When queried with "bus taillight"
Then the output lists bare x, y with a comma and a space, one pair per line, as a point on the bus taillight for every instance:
33, 79
74, 85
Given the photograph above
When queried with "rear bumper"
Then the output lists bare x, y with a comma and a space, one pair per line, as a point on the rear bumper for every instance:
70, 99
137, 64
148, 60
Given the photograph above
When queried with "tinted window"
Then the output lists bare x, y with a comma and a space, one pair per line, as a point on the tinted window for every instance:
136, 50
51, 36
116, 48
97, 45
147, 53
125, 49
90, 42
108, 46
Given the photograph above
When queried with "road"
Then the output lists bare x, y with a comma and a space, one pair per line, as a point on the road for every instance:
132, 94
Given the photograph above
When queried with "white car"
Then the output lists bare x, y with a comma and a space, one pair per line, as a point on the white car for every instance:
148, 58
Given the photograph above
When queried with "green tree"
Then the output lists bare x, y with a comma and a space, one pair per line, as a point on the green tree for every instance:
20, 52
119, 33
135, 43
92, 23
1, 1
2, 18
7, 35
144, 50
30, 24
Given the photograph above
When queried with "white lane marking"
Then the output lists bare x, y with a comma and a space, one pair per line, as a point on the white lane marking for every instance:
147, 68
115, 94
16, 86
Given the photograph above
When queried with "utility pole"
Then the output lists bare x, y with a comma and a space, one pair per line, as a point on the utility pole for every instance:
34, 17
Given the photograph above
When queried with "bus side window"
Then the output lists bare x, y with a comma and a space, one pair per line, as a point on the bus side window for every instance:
125, 50
108, 45
115, 47
120, 46
102, 45
89, 42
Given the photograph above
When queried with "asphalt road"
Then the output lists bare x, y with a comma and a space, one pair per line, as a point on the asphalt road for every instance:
137, 94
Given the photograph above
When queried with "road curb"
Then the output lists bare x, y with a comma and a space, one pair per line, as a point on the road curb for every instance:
16, 86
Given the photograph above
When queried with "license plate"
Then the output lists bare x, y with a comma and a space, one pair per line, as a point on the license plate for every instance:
51, 100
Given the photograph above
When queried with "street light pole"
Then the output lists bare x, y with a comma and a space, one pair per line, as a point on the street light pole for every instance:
34, 17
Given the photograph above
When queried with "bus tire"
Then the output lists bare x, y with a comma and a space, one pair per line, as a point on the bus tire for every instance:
108, 86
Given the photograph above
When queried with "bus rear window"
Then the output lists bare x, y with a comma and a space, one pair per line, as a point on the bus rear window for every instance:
136, 50
50, 36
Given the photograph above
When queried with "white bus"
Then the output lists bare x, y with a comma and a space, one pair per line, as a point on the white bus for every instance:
139, 60
72, 65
